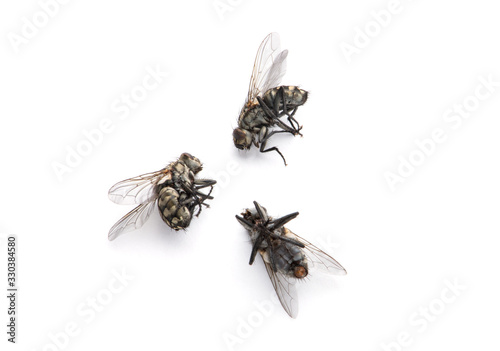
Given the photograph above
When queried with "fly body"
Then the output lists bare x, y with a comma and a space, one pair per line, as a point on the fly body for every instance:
267, 102
175, 189
286, 256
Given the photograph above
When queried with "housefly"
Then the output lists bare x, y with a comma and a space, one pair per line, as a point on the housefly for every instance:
267, 102
174, 189
287, 257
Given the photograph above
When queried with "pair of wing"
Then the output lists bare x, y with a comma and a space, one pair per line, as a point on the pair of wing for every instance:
284, 285
268, 69
139, 190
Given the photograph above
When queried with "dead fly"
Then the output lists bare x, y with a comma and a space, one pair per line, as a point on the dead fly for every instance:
176, 189
286, 255
267, 102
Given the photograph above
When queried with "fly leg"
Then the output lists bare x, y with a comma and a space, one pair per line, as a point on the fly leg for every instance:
275, 118
291, 119
264, 137
200, 184
261, 211
203, 198
255, 248
280, 222
203, 183
197, 198
276, 102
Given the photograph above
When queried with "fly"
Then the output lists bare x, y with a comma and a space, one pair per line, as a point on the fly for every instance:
287, 257
174, 189
267, 102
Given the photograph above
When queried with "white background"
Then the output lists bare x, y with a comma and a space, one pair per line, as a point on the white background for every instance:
195, 289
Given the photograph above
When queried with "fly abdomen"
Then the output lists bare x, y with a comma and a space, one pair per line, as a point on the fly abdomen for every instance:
290, 259
292, 95
176, 216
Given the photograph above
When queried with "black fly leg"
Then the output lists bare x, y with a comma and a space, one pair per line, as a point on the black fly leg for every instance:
200, 184
203, 183
261, 212
255, 247
276, 102
291, 119
204, 197
264, 137
194, 198
280, 222
288, 240
248, 225
192, 201
269, 113
275, 118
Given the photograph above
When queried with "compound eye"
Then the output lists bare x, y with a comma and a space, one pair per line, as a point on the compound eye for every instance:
240, 138
186, 156
192, 162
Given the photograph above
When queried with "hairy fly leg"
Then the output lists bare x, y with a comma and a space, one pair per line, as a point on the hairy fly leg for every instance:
261, 211
291, 119
203, 183
279, 100
264, 136
280, 222
196, 197
275, 118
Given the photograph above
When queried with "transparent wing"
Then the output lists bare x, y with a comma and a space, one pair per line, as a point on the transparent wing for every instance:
269, 66
276, 72
137, 190
285, 289
317, 258
132, 220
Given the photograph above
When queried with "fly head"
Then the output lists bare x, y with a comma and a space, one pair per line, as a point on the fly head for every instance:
242, 138
191, 162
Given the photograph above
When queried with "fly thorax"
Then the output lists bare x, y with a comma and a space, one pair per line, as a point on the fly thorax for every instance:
255, 117
254, 234
179, 168
182, 174
164, 182
187, 177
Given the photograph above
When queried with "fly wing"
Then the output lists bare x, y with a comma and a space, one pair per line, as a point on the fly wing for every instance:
276, 72
269, 66
138, 190
285, 289
317, 258
132, 220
